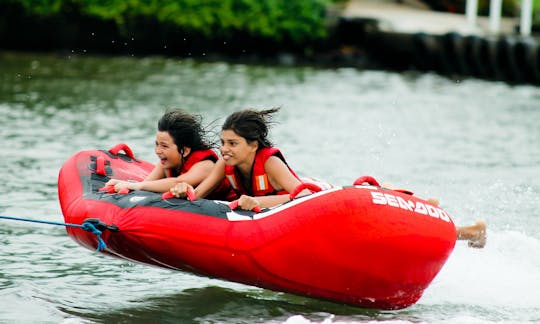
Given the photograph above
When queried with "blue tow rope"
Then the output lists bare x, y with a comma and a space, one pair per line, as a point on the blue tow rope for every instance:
88, 226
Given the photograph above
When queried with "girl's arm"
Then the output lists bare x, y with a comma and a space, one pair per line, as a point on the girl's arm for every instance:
281, 178
279, 175
156, 174
155, 183
206, 186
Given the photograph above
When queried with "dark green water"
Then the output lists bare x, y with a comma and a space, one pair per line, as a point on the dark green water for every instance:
473, 144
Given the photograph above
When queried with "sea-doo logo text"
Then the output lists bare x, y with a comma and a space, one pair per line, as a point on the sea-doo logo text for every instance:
380, 198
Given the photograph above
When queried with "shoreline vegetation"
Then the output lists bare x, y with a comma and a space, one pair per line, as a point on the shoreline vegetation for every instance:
189, 28
285, 31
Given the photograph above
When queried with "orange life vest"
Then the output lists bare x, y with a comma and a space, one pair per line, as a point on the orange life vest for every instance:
260, 186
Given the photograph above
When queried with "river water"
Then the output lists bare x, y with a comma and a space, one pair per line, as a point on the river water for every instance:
473, 144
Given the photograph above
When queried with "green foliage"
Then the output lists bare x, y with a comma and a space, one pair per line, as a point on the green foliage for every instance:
536, 13
297, 20
42, 7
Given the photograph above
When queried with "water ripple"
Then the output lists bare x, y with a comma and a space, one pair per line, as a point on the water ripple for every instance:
423, 132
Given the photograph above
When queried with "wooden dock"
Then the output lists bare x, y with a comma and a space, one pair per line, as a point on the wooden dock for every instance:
409, 18
406, 35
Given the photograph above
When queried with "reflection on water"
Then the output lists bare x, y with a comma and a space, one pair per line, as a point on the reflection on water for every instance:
225, 304
471, 143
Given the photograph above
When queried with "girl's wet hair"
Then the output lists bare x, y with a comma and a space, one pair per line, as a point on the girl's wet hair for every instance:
251, 124
185, 129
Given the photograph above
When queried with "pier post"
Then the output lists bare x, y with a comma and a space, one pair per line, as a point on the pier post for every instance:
525, 23
495, 8
471, 11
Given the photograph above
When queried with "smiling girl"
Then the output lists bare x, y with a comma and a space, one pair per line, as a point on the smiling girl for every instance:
184, 156
256, 170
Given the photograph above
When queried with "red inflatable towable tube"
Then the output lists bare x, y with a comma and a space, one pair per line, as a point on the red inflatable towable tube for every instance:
360, 245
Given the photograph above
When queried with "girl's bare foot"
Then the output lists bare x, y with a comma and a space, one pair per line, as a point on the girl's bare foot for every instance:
434, 201
475, 234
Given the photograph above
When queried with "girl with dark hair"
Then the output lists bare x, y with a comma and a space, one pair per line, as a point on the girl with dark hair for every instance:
256, 170
184, 156
260, 176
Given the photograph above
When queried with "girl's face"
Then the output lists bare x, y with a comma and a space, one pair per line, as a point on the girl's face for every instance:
236, 150
167, 151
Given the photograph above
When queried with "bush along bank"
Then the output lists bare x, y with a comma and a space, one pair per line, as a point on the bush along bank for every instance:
172, 27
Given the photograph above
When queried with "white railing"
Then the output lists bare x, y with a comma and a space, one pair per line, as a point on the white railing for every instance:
526, 17
495, 6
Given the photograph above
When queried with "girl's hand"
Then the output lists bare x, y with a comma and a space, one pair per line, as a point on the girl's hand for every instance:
119, 185
180, 190
112, 182
248, 202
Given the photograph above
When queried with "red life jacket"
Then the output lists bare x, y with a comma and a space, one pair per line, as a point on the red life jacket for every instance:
193, 158
223, 191
260, 186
